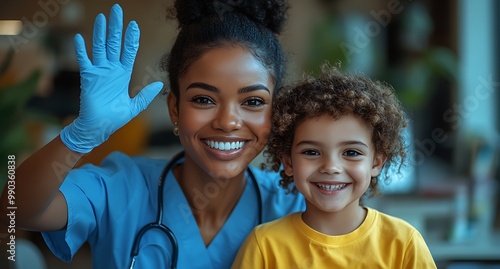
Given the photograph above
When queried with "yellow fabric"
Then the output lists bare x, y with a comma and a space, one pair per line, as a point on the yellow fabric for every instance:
382, 241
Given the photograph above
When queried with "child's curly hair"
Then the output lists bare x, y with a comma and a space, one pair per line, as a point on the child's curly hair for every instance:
338, 94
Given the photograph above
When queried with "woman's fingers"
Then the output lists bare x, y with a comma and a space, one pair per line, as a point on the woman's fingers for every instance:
131, 45
145, 96
81, 52
114, 42
99, 40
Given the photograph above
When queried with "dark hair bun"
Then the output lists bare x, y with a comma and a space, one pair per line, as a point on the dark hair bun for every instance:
268, 13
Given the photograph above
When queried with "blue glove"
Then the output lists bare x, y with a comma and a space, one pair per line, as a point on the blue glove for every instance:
105, 103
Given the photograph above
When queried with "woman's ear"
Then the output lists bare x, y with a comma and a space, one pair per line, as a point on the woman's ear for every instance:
287, 163
378, 163
173, 110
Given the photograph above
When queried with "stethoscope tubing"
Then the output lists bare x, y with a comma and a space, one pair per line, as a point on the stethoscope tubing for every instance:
159, 215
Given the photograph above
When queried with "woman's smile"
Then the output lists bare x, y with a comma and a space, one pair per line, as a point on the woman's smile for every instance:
224, 109
225, 146
225, 149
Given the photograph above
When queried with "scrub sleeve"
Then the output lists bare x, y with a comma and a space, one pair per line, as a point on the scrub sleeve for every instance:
103, 202
109, 204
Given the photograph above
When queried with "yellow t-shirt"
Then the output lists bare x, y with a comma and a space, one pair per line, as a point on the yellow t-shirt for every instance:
381, 241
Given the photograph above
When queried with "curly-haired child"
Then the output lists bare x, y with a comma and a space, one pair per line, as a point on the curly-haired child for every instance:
334, 135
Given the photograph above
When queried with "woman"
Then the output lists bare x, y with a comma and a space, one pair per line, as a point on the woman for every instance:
223, 69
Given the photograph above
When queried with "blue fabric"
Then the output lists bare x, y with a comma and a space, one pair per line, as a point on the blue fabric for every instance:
109, 204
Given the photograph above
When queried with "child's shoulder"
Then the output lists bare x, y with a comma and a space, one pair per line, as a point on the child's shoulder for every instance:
391, 223
281, 224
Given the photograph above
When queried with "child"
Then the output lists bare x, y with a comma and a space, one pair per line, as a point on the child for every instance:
333, 135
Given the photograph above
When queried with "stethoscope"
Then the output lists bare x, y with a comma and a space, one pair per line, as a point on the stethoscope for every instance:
159, 214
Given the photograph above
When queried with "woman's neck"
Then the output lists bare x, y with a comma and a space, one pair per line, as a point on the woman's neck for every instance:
211, 199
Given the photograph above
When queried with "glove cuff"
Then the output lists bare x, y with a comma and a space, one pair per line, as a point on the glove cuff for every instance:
80, 140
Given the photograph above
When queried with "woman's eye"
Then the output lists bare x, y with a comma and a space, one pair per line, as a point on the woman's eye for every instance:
202, 100
254, 102
352, 153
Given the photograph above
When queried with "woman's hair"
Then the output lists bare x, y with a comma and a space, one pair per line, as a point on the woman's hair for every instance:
338, 94
207, 24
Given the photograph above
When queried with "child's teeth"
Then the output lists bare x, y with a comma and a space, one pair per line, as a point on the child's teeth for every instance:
329, 187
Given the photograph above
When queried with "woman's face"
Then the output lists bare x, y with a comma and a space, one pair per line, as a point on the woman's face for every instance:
224, 110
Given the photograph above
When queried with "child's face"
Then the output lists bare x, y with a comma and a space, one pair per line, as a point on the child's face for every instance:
224, 110
332, 161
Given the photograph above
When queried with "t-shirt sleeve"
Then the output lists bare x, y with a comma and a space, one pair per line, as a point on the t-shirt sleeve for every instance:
417, 254
249, 255
90, 191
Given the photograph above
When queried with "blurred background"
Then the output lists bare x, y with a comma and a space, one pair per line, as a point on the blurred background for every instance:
440, 56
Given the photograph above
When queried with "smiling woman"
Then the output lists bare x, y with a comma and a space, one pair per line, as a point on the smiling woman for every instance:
224, 69
224, 98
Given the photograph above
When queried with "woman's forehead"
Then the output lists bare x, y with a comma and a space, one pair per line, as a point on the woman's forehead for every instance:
227, 66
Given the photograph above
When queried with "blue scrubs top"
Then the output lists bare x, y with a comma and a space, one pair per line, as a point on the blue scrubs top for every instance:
109, 204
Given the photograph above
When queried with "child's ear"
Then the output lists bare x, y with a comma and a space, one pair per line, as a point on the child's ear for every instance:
378, 163
287, 163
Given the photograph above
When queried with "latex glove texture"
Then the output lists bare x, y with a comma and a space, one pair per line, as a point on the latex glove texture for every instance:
105, 103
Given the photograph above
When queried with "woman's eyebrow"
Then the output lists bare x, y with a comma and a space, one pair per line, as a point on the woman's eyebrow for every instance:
201, 85
251, 88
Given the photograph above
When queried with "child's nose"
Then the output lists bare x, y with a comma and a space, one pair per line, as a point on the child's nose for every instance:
330, 165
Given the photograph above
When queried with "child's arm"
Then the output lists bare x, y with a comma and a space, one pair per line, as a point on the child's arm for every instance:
105, 106
417, 254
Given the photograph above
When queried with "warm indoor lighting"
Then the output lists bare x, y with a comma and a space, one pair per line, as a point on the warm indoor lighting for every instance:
10, 27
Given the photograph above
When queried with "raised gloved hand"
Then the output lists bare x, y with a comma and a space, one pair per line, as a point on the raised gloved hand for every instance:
105, 103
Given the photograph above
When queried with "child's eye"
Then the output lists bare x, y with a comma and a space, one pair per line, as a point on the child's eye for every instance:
310, 152
204, 100
352, 153
254, 102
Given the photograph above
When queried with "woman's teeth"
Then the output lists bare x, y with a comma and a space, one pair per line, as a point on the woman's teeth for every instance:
328, 187
224, 145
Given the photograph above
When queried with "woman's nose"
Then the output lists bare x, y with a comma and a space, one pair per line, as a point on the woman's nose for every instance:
228, 118
331, 165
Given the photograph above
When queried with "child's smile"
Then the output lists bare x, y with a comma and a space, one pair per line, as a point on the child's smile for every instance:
332, 161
